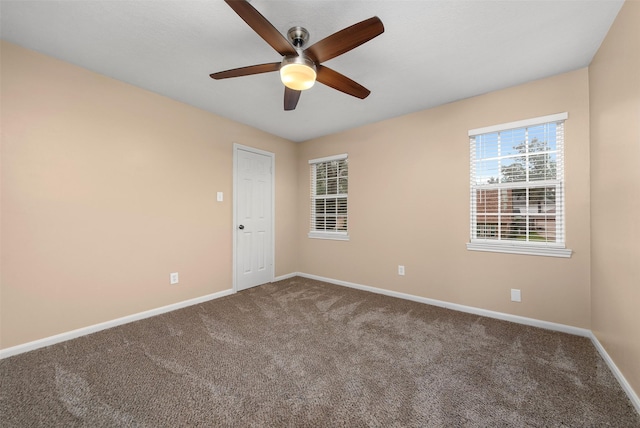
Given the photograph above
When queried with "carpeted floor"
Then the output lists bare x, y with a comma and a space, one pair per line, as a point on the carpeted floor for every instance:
305, 353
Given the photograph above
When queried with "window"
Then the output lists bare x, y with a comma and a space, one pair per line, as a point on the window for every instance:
329, 188
517, 187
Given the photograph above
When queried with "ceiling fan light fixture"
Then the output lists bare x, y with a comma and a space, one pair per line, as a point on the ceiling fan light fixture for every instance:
298, 73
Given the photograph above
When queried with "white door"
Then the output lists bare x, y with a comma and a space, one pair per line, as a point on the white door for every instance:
253, 217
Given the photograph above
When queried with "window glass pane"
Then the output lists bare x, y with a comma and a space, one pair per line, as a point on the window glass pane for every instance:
512, 142
550, 138
481, 201
319, 206
343, 185
487, 171
542, 167
342, 206
518, 201
481, 223
542, 200
536, 198
506, 201
487, 146
332, 186
330, 223
549, 205
342, 223
487, 201
542, 138
514, 228
331, 206
343, 168
513, 170
321, 187
487, 227
544, 228
332, 169
537, 167
534, 233
321, 171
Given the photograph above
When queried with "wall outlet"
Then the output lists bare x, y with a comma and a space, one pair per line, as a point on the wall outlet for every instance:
219, 197
400, 270
173, 277
515, 295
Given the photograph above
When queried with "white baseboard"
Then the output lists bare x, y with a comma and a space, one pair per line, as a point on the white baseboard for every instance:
62, 337
635, 400
461, 308
287, 276
633, 397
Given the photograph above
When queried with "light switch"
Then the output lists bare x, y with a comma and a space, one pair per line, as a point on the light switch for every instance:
219, 197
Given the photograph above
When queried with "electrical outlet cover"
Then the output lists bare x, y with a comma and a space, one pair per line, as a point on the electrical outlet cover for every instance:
173, 278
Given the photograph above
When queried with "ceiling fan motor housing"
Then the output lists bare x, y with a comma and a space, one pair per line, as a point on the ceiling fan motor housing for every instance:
298, 36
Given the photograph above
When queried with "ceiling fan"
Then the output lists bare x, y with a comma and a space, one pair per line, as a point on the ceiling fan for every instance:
299, 69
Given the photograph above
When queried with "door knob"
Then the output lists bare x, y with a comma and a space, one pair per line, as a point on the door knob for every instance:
241, 227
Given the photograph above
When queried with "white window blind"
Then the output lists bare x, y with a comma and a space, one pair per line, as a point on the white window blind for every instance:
517, 187
329, 190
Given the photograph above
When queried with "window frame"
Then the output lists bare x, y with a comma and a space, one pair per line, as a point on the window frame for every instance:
552, 249
338, 235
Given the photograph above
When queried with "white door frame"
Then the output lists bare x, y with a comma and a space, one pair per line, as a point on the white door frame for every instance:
272, 263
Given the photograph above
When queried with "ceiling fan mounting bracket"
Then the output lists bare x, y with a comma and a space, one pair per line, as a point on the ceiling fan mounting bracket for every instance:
298, 36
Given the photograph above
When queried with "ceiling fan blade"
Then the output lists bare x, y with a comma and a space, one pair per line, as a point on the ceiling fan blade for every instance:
246, 71
341, 82
345, 40
260, 25
291, 97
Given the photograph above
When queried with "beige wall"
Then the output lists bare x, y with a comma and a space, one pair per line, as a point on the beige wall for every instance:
106, 189
614, 79
409, 205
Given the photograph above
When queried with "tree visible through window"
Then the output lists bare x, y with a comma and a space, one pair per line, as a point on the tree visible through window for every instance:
329, 192
517, 183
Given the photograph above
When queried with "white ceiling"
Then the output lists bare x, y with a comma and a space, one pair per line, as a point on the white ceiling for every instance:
432, 52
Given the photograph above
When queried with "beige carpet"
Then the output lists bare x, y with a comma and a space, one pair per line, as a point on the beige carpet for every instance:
301, 353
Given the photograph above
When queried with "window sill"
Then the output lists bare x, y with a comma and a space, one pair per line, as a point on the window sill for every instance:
531, 250
335, 236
